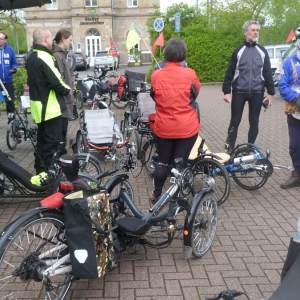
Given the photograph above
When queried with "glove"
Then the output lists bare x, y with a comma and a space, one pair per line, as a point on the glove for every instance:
297, 102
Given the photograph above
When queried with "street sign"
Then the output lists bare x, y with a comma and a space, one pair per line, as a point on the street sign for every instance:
158, 24
177, 22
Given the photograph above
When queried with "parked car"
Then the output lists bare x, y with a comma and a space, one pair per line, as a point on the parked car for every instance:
275, 53
102, 59
291, 51
82, 61
21, 61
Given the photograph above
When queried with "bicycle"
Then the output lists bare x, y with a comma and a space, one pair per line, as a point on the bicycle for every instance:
34, 248
77, 93
18, 129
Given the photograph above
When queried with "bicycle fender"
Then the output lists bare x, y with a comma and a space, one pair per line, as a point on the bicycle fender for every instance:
188, 223
114, 180
11, 227
207, 155
91, 157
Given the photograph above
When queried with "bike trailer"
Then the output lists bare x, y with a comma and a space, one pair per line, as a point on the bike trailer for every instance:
146, 106
88, 223
99, 125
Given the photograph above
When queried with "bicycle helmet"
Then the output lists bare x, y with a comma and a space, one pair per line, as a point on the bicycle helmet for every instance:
297, 33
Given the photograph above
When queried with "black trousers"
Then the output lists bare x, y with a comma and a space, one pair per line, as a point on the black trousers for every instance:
65, 123
237, 108
168, 150
49, 135
10, 105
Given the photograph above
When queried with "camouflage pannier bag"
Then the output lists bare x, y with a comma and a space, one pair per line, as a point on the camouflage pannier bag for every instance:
87, 221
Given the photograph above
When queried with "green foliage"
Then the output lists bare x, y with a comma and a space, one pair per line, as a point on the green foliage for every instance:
19, 79
214, 29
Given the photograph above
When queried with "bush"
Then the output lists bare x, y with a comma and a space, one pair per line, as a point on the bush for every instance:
20, 78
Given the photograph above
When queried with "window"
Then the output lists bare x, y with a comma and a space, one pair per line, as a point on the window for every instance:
52, 5
91, 3
132, 3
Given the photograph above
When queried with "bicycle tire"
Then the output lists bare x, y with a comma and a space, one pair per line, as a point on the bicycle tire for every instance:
107, 99
81, 142
210, 173
12, 135
148, 154
79, 99
205, 221
117, 102
249, 180
18, 252
90, 167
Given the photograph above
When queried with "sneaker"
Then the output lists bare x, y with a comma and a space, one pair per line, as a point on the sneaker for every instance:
227, 147
293, 181
153, 199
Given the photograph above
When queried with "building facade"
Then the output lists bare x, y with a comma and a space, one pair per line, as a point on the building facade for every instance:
93, 22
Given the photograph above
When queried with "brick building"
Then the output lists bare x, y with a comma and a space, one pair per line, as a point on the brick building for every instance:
92, 22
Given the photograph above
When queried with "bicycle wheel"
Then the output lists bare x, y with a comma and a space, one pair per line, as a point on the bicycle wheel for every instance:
210, 173
81, 142
250, 179
205, 222
12, 135
107, 99
149, 157
34, 246
79, 99
91, 167
117, 102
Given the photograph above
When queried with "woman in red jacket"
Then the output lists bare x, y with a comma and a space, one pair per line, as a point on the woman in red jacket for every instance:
174, 88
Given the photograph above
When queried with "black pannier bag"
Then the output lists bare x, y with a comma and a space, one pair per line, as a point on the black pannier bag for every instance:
101, 88
87, 217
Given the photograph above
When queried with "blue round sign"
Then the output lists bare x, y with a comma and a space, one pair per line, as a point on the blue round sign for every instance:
158, 24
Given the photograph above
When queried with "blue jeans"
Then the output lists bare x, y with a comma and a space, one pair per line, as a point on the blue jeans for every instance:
294, 134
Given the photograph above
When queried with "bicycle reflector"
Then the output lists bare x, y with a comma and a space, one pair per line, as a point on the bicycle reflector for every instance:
66, 186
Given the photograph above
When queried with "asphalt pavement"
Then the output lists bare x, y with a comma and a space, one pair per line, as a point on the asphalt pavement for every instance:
254, 227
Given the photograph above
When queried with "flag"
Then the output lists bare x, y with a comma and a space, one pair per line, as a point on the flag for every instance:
113, 48
159, 42
291, 36
133, 37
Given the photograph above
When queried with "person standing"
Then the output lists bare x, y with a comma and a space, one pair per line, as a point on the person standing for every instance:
289, 89
174, 88
47, 91
8, 66
61, 44
248, 74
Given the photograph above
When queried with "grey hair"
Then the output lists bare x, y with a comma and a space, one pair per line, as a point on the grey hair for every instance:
175, 50
39, 34
248, 23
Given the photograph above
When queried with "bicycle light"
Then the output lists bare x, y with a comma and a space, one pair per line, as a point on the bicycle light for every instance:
245, 159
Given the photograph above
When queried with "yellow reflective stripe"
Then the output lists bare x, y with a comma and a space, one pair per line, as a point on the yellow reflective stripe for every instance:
53, 108
36, 111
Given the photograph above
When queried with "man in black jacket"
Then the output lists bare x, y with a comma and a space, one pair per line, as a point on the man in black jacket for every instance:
248, 74
46, 97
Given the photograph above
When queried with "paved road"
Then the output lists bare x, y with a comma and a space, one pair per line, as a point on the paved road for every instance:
253, 232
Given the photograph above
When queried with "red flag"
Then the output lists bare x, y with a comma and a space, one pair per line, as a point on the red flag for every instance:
291, 36
113, 47
159, 42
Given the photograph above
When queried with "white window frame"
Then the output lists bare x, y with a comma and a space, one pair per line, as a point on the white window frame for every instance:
52, 5
132, 3
90, 3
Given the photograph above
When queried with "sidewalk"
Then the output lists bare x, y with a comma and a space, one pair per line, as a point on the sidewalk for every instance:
253, 232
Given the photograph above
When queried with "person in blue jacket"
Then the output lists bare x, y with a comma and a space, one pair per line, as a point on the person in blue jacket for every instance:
289, 88
8, 66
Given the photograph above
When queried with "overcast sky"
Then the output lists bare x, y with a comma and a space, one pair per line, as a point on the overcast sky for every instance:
165, 3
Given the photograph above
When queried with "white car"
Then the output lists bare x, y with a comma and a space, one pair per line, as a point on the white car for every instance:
275, 53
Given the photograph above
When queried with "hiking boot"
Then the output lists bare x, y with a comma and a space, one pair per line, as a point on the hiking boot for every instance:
153, 199
293, 181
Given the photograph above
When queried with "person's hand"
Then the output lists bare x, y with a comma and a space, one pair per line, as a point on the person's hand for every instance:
12, 71
270, 99
227, 98
297, 102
